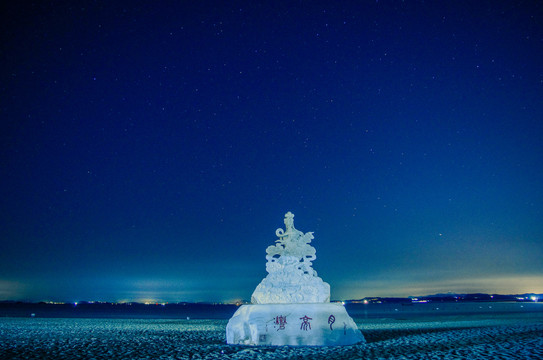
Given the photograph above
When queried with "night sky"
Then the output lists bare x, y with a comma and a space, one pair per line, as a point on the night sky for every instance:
150, 150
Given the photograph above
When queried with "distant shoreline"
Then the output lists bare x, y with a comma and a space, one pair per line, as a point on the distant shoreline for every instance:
449, 297
368, 310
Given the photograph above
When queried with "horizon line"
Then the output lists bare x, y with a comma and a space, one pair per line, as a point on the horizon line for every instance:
244, 301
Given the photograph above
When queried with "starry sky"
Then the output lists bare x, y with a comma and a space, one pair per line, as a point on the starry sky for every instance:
149, 150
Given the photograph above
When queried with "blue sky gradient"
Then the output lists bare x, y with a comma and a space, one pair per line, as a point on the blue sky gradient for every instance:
149, 151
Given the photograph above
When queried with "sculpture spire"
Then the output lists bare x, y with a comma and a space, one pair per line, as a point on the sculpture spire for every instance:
289, 227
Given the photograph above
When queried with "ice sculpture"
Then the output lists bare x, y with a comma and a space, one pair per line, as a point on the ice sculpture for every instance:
291, 279
291, 306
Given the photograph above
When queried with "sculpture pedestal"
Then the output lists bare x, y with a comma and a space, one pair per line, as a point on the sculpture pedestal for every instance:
321, 324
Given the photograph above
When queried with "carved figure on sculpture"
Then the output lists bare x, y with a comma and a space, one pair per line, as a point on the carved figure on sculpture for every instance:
291, 278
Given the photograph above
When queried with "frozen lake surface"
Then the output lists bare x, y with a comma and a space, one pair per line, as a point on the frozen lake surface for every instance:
504, 335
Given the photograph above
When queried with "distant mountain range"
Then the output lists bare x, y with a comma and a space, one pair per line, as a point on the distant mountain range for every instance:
452, 297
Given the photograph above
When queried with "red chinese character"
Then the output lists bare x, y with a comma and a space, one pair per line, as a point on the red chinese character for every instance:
306, 325
281, 321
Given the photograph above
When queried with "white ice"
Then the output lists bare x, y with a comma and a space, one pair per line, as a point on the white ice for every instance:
291, 306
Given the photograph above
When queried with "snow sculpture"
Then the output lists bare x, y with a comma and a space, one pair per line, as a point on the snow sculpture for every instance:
291, 306
291, 279
323, 324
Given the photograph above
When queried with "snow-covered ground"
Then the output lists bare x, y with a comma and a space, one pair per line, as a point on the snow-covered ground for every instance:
462, 337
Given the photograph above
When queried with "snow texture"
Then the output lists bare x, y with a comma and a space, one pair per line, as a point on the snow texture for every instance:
490, 336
